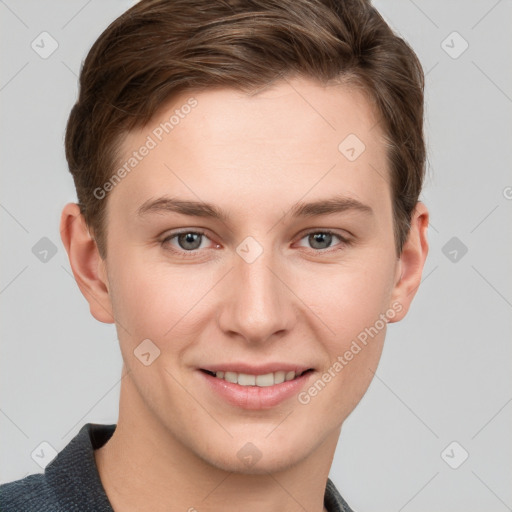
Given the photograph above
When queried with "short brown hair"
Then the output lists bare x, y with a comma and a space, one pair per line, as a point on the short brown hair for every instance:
160, 48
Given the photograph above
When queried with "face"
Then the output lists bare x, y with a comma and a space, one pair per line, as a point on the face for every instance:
251, 244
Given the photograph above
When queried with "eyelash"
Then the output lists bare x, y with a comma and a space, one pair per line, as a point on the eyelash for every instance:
344, 242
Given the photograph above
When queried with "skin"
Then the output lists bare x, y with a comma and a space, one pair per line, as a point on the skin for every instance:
176, 442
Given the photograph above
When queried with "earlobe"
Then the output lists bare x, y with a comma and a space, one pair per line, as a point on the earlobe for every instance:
411, 262
86, 263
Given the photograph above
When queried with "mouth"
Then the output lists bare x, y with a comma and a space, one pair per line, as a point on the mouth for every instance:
259, 380
253, 387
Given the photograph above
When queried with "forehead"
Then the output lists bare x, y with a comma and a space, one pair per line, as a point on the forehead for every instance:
292, 139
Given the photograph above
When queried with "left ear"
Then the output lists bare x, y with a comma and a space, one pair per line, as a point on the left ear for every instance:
411, 262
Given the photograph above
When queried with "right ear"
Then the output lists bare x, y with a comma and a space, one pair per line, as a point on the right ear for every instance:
86, 263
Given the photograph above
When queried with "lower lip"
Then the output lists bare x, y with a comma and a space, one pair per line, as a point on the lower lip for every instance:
255, 397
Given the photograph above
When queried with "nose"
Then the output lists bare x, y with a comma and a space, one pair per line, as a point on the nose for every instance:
259, 305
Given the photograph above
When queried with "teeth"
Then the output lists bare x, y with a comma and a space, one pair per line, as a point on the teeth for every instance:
279, 377
230, 377
265, 380
246, 380
290, 376
269, 379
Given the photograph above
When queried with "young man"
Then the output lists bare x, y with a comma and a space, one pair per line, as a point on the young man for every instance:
248, 176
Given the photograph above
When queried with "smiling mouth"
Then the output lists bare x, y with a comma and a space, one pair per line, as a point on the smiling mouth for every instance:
266, 380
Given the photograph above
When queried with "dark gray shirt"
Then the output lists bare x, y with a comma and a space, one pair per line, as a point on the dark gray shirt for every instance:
71, 482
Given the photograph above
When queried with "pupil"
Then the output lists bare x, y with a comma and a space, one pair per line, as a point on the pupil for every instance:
320, 238
189, 240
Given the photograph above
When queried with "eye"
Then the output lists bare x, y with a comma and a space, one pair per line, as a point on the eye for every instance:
322, 240
188, 243
185, 242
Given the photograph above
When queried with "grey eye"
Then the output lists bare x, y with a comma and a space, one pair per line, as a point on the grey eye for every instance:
320, 240
189, 241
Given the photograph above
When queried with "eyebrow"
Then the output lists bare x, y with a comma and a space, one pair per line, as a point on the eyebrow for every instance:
336, 204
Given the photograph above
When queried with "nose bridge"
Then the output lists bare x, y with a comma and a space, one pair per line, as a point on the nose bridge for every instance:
260, 304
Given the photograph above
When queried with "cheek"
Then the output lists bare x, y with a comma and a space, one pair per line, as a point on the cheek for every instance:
158, 302
354, 305
350, 297
355, 310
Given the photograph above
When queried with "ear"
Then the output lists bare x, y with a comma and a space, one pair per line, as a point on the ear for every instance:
87, 265
411, 262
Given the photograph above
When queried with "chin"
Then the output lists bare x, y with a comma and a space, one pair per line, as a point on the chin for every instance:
260, 456
261, 467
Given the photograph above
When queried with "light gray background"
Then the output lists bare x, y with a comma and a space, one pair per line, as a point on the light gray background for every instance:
445, 374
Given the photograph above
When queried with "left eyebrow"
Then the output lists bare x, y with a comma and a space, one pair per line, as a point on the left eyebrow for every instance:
336, 204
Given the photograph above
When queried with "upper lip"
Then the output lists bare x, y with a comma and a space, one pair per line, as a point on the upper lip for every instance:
262, 369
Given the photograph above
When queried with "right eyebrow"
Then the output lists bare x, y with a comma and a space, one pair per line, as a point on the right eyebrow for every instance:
191, 208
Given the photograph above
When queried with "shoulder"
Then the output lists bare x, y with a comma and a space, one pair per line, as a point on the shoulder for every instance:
333, 500
69, 482
29, 494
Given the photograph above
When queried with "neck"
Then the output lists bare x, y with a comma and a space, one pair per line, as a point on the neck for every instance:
143, 467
